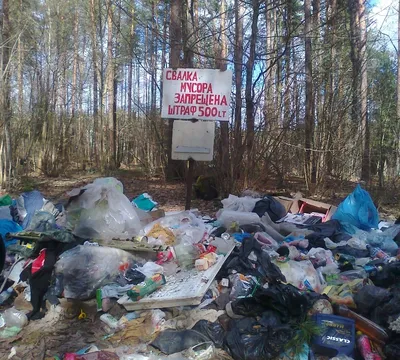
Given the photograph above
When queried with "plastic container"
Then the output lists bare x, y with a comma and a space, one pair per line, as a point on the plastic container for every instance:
367, 327
364, 346
5, 295
223, 244
146, 287
337, 335
109, 320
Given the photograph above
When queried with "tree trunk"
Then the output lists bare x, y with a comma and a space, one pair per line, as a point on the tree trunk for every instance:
96, 130
224, 144
309, 121
5, 95
365, 164
249, 91
238, 67
174, 168
398, 95
110, 87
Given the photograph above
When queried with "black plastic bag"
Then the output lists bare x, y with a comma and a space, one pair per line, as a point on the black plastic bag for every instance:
248, 340
392, 350
388, 276
262, 267
286, 300
387, 309
173, 341
270, 318
369, 297
213, 331
268, 204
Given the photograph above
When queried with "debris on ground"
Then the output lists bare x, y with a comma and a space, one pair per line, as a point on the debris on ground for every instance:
101, 276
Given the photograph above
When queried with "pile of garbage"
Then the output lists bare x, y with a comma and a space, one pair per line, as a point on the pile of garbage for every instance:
266, 278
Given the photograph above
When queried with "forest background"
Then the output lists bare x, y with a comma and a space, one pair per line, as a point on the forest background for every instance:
315, 102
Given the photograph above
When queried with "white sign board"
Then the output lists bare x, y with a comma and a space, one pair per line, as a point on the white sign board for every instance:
202, 94
193, 140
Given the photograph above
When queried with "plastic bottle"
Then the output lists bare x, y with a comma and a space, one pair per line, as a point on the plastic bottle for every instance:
364, 346
5, 295
369, 328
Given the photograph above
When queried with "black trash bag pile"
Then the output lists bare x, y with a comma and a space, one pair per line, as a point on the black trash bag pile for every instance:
249, 339
174, 341
286, 300
239, 261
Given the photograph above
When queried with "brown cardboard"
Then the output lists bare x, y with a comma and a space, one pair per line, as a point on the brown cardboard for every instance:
285, 201
156, 214
313, 206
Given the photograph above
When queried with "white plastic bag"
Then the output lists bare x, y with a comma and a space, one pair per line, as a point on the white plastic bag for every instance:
14, 317
151, 268
234, 203
227, 217
102, 211
301, 274
184, 225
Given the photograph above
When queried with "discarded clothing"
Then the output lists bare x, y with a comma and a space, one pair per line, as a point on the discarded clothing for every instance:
268, 204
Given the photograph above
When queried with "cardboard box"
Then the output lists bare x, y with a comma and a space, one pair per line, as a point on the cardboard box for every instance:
306, 206
285, 201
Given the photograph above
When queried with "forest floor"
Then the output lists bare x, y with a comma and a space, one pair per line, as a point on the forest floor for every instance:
171, 195
62, 332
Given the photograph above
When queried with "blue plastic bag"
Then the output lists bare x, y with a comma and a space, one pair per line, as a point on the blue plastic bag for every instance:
358, 209
9, 226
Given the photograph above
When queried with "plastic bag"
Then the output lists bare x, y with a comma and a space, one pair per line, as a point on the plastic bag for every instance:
14, 317
100, 210
234, 203
392, 350
301, 274
184, 225
242, 286
173, 341
358, 209
42, 221
376, 238
150, 268
248, 340
228, 217
213, 331
88, 268
369, 297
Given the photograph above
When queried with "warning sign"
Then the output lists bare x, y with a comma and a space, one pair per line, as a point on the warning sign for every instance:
202, 94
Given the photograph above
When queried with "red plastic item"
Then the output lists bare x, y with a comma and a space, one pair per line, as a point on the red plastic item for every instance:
38, 263
164, 256
364, 346
97, 355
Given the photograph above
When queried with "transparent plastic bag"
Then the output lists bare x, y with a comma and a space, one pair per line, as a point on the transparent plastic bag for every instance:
150, 268
88, 268
301, 274
184, 225
234, 203
14, 317
102, 211
227, 217
380, 239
